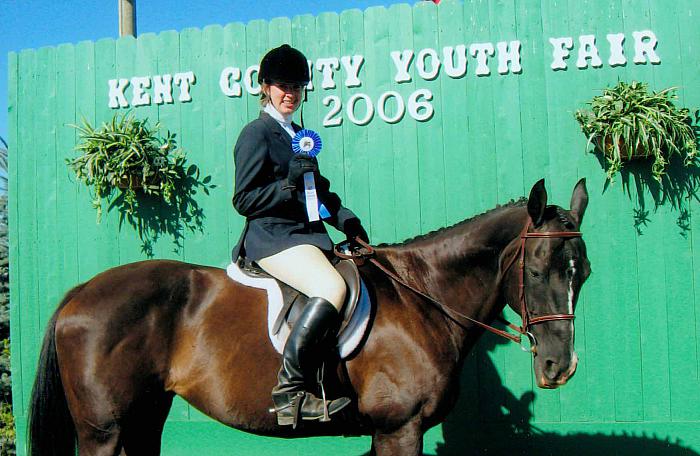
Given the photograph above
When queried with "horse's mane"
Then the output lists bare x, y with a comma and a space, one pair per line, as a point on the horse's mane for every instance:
551, 211
427, 236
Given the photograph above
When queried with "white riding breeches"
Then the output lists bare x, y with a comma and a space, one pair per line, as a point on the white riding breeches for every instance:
305, 268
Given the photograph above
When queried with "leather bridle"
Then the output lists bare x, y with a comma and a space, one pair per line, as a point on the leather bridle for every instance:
367, 253
527, 320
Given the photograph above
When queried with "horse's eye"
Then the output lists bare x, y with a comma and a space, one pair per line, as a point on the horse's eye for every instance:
535, 274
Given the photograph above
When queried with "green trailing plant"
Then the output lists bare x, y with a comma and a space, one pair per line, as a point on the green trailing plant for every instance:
144, 175
628, 122
126, 154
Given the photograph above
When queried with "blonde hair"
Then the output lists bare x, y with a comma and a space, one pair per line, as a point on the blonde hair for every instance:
264, 97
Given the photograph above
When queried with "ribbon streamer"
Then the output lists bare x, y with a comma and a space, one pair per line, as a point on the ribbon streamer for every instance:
309, 142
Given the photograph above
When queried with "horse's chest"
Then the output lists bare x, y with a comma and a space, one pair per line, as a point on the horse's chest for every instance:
404, 386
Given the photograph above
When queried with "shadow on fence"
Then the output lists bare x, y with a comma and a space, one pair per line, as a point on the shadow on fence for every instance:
507, 430
154, 219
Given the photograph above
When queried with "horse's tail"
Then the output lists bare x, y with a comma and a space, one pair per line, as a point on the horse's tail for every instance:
51, 431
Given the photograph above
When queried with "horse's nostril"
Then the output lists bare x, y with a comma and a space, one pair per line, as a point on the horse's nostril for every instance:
551, 369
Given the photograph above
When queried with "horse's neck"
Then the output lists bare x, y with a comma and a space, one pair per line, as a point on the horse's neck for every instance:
459, 266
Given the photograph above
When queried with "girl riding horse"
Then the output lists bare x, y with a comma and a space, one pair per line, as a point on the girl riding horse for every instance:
278, 234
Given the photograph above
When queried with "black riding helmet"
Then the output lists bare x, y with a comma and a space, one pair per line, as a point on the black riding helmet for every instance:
284, 64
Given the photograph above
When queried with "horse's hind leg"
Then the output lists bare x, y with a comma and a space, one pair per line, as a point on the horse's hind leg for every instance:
95, 410
143, 426
103, 391
132, 427
98, 439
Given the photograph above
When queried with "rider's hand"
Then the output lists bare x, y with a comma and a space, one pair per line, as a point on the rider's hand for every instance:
353, 228
298, 166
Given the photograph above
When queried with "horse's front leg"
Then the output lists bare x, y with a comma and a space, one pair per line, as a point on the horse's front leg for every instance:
404, 441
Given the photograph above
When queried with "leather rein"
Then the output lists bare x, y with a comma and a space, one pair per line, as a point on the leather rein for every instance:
368, 253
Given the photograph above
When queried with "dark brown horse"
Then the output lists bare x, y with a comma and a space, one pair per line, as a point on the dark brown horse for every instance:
121, 345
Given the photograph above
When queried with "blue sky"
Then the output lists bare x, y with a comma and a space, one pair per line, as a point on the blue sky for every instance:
37, 23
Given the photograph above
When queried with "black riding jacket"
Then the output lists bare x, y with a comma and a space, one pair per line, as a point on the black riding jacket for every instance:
276, 217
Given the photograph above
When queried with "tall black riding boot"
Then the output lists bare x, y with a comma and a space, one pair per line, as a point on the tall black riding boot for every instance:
318, 321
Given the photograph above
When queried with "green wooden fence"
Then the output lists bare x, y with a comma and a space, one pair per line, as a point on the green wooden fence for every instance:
488, 139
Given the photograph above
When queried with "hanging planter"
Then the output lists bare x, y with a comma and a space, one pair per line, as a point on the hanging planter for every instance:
126, 155
627, 122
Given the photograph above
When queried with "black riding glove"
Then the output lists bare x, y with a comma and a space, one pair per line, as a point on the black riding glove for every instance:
298, 166
353, 228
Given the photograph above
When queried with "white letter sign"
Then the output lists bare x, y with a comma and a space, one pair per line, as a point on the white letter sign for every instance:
116, 93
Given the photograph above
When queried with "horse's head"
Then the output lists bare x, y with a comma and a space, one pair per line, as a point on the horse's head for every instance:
546, 279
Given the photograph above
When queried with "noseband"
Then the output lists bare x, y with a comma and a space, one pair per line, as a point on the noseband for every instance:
527, 321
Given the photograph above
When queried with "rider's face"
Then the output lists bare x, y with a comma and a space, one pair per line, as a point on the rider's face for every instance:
286, 98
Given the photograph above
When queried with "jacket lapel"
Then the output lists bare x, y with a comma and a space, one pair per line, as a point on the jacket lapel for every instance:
279, 133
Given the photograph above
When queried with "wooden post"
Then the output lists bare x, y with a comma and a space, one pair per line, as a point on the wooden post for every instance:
127, 17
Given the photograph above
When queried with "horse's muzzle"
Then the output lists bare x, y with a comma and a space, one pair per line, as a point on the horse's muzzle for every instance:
551, 377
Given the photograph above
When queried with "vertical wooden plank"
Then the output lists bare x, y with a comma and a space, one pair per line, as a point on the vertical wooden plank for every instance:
306, 39
106, 238
27, 217
458, 191
688, 13
331, 158
256, 47
356, 157
279, 32
652, 302
191, 118
480, 134
117, 60
507, 135
536, 56
47, 235
155, 213
431, 160
684, 380
85, 109
167, 49
653, 322
404, 135
383, 211
13, 109
67, 242
236, 118
212, 158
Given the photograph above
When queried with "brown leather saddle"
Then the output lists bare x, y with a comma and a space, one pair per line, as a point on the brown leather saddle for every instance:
294, 300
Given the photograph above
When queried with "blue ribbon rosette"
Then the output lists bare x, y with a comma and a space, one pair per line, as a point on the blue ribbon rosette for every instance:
309, 142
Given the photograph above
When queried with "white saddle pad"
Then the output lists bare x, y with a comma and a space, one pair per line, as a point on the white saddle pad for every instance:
348, 339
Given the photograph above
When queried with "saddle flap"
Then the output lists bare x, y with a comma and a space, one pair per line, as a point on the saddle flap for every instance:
349, 272
285, 304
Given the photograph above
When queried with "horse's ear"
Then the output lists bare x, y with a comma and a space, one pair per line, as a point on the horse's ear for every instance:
579, 201
537, 202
